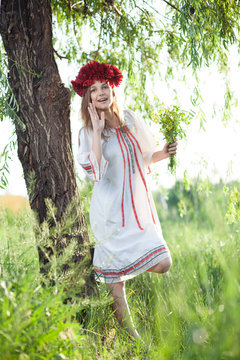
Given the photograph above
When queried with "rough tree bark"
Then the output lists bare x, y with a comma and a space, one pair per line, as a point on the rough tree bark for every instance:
44, 146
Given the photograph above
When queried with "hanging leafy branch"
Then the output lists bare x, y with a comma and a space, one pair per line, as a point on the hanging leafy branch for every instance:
134, 35
8, 105
5, 157
8, 109
201, 30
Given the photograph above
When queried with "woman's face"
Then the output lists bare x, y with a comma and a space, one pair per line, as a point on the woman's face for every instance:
101, 95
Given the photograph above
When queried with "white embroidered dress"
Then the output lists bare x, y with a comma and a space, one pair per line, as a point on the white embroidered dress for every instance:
123, 217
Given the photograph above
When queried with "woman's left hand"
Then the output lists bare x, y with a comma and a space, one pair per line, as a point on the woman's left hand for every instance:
170, 149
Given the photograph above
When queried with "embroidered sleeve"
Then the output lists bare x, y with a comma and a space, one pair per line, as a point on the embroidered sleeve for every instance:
87, 158
145, 137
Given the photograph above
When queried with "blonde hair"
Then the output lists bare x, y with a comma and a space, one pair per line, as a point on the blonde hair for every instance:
86, 116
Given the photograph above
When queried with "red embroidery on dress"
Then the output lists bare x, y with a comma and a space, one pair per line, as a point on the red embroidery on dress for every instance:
135, 140
130, 182
92, 168
104, 167
79, 138
132, 267
123, 219
86, 167
143, 179
139, 147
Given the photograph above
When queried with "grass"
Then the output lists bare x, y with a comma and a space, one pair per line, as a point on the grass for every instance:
191, 312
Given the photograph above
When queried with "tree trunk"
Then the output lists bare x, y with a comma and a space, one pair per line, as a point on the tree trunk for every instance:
44, 137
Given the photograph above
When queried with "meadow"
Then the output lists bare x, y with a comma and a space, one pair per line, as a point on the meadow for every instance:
191, 312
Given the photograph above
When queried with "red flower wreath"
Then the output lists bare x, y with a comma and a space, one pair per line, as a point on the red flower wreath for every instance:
94, 71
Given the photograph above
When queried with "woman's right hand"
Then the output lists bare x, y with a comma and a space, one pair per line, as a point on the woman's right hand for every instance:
97, 123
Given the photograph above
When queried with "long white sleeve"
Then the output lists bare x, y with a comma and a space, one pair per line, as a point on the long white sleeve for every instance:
87, 158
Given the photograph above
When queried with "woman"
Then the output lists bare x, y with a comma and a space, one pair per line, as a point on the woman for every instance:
114, 151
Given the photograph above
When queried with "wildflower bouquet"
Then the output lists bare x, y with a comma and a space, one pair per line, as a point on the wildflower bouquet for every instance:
172, 121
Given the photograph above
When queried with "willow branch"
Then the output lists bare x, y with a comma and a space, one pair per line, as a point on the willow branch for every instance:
145, 12
173, 6
60, 56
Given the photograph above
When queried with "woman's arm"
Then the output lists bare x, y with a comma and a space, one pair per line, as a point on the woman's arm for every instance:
97, 145
168, 149
98, 126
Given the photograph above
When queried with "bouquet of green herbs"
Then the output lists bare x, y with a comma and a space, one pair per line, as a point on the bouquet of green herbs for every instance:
172, 123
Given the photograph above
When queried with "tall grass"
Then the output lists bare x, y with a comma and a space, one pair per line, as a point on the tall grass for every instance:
191, 312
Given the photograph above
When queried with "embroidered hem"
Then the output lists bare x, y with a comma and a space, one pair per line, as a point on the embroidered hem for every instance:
139, 266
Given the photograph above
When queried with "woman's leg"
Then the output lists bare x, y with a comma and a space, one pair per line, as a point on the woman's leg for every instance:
121, 308
162, 267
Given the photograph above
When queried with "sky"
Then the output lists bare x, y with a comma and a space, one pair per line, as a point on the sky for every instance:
213, 153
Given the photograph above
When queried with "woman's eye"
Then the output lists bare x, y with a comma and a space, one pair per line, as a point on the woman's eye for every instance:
92, 90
